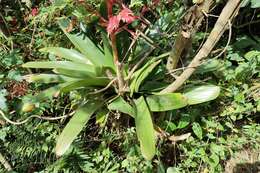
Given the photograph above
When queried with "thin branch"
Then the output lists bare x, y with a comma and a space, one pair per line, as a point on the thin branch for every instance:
229, 40
138, 64
227, 14
247, 24
104, 89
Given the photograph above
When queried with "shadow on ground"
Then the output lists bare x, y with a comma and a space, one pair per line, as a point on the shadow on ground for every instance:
247, 168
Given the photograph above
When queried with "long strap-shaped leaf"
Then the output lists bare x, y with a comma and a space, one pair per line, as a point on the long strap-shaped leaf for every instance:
107, 52
144, 129
201, 94
68, 65
77, 84
47, 78
166, 102
69, 54
85, 45
121, 105
74, 126
59, 64
140, 75
72, 73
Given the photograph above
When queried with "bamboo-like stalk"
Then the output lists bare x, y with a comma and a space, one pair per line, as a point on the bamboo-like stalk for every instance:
227, 14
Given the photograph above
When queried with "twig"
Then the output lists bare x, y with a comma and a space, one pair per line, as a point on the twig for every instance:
227, 14
5, 163
183, 137
138, 64
6, 25
206, 31
131, 45
32, 38
104, 89
119, 73
33, 116
247, 24
229, 39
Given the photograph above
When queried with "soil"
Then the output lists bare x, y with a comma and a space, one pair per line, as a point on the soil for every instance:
245, 161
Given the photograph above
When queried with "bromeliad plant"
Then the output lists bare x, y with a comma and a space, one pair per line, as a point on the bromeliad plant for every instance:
90, 67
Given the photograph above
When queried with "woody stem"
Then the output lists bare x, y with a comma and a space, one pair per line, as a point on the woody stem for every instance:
119, 72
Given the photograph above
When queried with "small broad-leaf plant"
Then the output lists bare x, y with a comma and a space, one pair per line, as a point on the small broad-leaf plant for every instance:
97, 70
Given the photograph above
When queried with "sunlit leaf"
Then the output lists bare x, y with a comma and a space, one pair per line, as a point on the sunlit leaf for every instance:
62, 65
166, 102
209, 66
47, 78
197, 130
255, 3
201, 94
90, 82
49, 93
213, 160
85, 45
144, 129
184, 121
140, 75
72, 73
101, 117
122, 106
74, 126
68, 54
107, 52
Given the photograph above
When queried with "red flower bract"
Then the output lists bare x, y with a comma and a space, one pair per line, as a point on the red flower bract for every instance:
34, 11
126, 15
113, 24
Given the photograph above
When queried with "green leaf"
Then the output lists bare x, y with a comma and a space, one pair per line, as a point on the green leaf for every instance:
101, 117
251, 54
144, 129
166, 102
85, 45
68, 54
49, 93
213, 160
144, 74
201, 94
62, 65
74, 126
197, 130
184, 121
255, 3
140, 75
72, 73
47, 78
107, 52
122, 106
85, 83
211, 65
172, 170
245, 3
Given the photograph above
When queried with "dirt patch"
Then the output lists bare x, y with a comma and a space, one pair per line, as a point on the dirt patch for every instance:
246, 161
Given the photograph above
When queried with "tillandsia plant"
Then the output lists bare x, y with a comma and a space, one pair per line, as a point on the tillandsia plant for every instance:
97, 70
